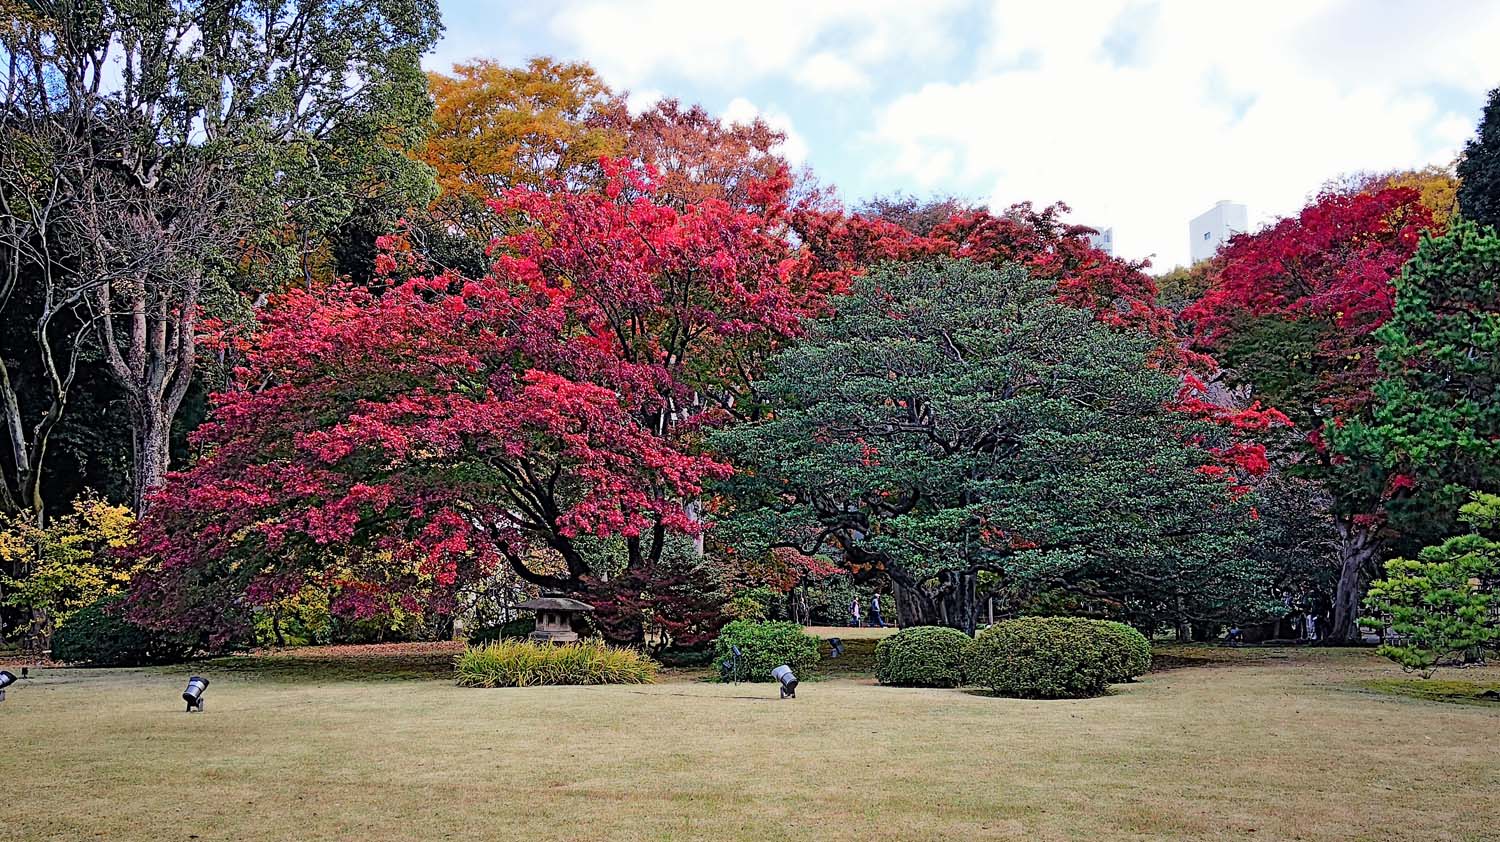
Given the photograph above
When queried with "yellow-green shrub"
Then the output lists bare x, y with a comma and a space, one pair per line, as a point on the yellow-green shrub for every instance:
524, 663
69, 564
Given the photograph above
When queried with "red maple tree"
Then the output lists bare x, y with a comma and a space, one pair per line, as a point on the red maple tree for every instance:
541, 416
1291, 312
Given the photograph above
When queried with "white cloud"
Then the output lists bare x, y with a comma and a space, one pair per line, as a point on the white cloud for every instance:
639, 101
1218, 102
827, 72
731, 42
1139, 113
793, 148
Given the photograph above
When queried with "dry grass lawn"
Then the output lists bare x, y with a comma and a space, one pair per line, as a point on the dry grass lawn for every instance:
1272, 745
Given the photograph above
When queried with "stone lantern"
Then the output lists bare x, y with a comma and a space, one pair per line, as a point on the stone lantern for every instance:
554, 618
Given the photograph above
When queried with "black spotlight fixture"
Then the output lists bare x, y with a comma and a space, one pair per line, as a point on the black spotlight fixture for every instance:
788, 681
25, 672
7, 678
193, 695
837, 645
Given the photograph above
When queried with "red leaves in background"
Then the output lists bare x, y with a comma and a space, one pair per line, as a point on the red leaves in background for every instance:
1332, 264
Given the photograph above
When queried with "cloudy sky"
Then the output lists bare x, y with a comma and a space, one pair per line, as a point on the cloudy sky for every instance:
1138, 114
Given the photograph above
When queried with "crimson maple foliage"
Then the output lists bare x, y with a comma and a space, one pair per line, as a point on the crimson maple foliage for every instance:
1330, 266
694, 155
1291, 312
403, 445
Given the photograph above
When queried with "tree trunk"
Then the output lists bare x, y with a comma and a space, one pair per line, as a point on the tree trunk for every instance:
950, 599
152, 441
1359, 550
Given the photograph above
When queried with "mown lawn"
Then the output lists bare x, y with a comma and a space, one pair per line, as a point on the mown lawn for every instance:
1233, 744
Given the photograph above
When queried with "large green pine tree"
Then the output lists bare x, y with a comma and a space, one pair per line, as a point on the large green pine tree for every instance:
1479, 170
1436, 418
953, 420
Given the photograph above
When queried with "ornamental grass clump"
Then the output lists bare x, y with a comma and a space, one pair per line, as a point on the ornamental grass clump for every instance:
922, 656
524, 663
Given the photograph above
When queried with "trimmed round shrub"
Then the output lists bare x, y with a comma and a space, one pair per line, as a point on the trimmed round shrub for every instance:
100, 636
764, 646
922, 656
526, 663
1046, 658
1133, 650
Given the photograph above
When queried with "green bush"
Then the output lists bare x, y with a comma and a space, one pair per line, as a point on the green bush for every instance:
1047, 658
766, 646
512, 630
680, 657
1133, 650
922, 656
750, 603
99, 636
524, 663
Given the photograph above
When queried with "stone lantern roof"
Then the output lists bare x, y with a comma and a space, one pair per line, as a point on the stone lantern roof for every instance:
555, 603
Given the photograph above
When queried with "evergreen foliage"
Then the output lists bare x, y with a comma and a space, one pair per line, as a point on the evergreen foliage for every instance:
764, 646
951, 419
1436, 411
1479, 169
1441, 605
922, 656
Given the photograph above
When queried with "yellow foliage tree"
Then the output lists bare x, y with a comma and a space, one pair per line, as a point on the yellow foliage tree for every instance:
498, 127
67, 564
1437, 185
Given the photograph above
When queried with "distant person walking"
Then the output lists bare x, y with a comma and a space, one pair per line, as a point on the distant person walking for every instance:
854, 613
875, 618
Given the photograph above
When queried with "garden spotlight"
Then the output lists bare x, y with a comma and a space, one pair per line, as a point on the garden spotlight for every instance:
193, 695
788, 681
7, 678
729, 669
837, 645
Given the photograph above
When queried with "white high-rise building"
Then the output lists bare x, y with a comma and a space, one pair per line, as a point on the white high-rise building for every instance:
1104, 241
1210, 229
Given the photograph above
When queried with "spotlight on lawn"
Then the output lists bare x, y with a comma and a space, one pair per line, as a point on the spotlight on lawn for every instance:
25, 672
193, 695
7, 678
729, 668
788, 681
837, 645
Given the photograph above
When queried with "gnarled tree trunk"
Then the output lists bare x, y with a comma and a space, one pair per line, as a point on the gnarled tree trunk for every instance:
949, 599
1358, 552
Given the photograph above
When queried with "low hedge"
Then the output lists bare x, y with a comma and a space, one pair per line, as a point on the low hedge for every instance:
1134, 650
100, 636
922, 656
525, 663
764, 646
512, 630
1049, 658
